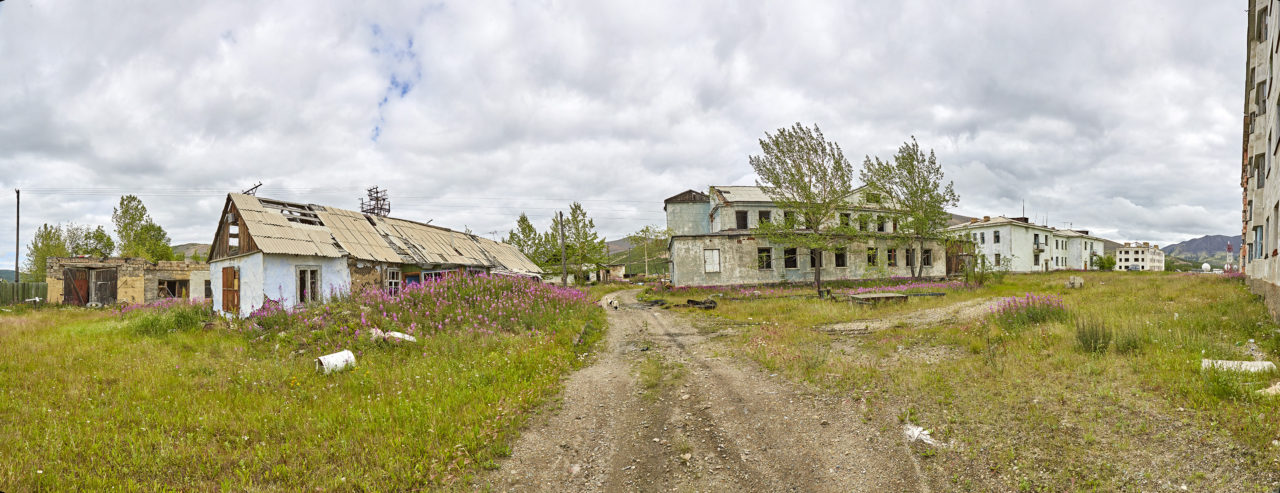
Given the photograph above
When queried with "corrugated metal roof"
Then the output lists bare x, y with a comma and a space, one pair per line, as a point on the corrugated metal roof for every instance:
374, 238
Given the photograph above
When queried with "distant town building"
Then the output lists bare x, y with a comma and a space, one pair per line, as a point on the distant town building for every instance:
714, 242
1140, 256
1016, 245
1260, 200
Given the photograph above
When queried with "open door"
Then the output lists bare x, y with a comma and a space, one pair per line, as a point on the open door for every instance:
231, 290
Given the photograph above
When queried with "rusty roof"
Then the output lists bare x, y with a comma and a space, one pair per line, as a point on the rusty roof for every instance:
296, 229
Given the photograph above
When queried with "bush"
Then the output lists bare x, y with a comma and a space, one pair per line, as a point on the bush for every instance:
1093, 336
166, 316
1127, 342
1030, 309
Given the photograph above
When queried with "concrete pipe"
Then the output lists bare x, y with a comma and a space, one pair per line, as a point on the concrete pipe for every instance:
338, 361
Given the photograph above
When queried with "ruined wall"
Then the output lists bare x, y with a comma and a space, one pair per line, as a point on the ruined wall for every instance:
365, 274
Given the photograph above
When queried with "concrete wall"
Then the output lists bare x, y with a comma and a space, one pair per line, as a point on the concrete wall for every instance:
137, 280
280, 276
198, 279
250, 281
688, 219
739, 262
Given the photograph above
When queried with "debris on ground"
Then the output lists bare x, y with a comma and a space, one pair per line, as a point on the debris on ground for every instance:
708, 304
379, 335
1249, 366
1075, 282
916, 433
1273, 390
330, 363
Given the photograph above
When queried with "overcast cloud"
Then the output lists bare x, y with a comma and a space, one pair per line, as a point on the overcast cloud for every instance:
1121, 117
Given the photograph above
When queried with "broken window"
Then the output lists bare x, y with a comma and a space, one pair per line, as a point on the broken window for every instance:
997, 260
880, 224
926, 258
842, 258
893, 257
1262, 24
872, 198
845, 218
815, 259
862, 222
789, 258
233, 234
172, 289
764, 258
308, 284
911, 257
872, 254
208, 290
393, 281
741, 217
789, 218
982, 238
763, 217
711, 261
995, 237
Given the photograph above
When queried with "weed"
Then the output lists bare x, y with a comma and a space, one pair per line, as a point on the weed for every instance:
1092, 336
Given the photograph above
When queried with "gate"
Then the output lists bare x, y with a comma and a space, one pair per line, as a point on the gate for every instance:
75, 286
104, 286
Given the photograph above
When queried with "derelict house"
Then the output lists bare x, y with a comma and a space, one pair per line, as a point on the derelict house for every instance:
714, 242
294, 253
106, 281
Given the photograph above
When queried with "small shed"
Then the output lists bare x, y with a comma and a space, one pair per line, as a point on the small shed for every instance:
110, 280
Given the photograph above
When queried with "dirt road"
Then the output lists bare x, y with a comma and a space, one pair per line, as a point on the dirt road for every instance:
719, 425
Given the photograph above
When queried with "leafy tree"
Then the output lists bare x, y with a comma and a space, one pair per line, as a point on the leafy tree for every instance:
808, 177
139, 236
912, 188
583, 246
649, 239
81, 240
1105, 262
532, 244
48, 242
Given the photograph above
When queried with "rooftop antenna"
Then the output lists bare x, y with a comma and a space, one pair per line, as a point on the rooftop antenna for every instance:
377, 203
1024, 207
252, 190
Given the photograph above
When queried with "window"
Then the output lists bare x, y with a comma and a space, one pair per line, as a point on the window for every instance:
763, 217
982, 238
208, 290
880, 224
997, 260
711, 261
789, 217
863, 222
845, 219
1035, 240
872, 254
308, 283
1262, 24
393, 281
1035, 258
911, 258
895, 225
764, 258
842, 258
815, 259
872, 198
1260, 97
926, 258
741, 217
893, 257
789, 258
995, 237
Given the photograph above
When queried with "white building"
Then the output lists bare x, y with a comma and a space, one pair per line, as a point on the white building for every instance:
1260, 200
1140, 256
1017, 245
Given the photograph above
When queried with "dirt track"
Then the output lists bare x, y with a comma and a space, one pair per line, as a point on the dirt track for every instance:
723, 426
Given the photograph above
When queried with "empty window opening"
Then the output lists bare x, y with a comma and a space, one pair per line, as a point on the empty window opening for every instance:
764, 258
172, 289
308, 284
763, 217
911, 257
842, 258
893, 257
872, 255
741, 217
926, 258
789, 258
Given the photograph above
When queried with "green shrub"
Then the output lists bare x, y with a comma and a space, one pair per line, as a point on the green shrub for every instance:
1093, 336
1127, 342
166, 316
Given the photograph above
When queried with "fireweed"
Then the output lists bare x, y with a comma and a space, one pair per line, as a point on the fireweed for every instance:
1029, 309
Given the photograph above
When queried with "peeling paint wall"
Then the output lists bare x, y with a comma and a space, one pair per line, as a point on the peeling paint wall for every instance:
688, 218
250, 281
280, 276
739, 262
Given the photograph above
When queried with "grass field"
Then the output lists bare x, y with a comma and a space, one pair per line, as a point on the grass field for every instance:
1036, 401
152, 399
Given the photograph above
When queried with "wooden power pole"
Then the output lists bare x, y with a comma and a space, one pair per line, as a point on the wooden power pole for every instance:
564, 261
17, 231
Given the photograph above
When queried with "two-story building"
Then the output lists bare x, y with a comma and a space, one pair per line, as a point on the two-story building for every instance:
715, 242
1015, 244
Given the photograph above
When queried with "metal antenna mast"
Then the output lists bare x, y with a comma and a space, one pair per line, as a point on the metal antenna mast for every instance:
377, 203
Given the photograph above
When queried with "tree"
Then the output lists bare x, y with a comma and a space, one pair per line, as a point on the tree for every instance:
139, 236
47, 242
1105, 262
80, 240
583, 246
809, 177
527, 239
649, 239
911, 186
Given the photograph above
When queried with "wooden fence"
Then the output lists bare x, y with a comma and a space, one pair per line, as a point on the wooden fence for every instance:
11, 292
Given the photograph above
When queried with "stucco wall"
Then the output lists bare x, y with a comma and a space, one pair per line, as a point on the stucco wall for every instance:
198, 278
688, 218
739, 262
250, 281
280, 278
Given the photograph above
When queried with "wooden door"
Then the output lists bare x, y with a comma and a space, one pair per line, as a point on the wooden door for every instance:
104, 286
75, 286
231, 290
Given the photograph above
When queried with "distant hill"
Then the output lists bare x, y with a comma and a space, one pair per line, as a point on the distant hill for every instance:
186, 250
618, 246
1211, 249
6, 275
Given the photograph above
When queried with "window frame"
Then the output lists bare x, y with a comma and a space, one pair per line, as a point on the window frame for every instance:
741, 220
926, 257
764, 258
841, 258
394, 281
873, 256
706, 260
892, 257
315, 282
790, 258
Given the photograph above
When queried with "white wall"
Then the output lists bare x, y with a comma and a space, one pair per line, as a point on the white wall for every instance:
250, 281
280, 278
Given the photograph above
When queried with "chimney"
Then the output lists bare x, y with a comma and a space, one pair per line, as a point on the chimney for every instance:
1021, 220
973, 220
986, 219
1126, 244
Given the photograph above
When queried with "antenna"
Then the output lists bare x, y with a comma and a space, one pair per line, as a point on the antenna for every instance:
377, 204
252, 190
1024, 207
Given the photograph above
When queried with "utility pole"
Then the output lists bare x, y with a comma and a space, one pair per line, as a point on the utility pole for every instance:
564, 261
17, 230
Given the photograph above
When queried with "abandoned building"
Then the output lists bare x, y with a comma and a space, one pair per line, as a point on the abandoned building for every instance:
714, 242
1140, 256
1015, 244
106, 281
295, 253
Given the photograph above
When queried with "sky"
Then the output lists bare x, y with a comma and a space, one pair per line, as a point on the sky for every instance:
1121, 117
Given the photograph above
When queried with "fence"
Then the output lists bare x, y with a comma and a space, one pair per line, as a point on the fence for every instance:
11, 292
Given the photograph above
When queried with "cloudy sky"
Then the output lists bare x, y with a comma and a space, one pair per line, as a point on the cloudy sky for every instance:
1122, 117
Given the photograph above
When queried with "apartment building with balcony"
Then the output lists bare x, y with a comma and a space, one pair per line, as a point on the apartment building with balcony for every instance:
1015, 244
